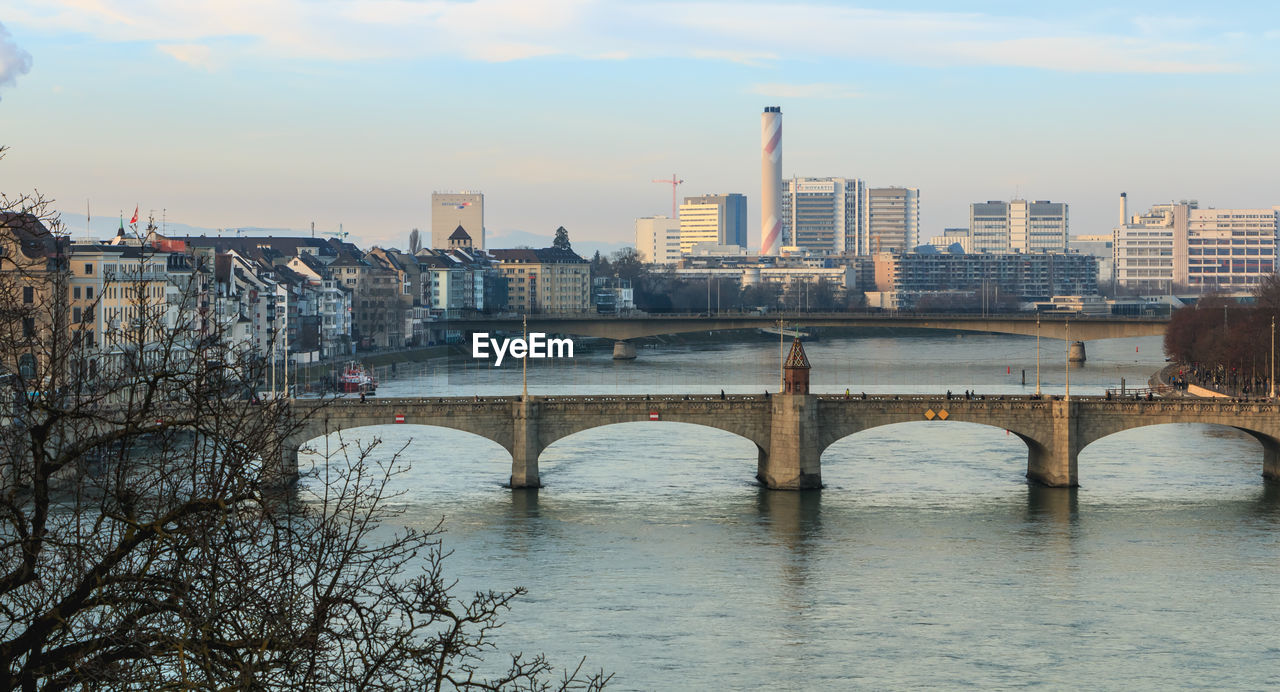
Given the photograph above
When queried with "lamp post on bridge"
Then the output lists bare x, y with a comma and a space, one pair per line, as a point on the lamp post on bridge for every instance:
1037, 355
782, 358
1271, 393
1067, 324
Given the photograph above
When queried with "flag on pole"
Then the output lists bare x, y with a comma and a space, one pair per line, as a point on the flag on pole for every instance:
135, 214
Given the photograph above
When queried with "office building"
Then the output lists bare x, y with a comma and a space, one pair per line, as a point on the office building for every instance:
1018, 226
714, 219
452, 209
1018, 276
658, 239
893, 219
825, 215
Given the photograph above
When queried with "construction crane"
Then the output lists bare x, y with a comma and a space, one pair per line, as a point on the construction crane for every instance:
673, 183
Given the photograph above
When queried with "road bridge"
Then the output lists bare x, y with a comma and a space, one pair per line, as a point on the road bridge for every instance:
624, 329
791, 431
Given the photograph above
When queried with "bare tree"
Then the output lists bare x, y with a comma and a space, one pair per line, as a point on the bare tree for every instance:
150, 532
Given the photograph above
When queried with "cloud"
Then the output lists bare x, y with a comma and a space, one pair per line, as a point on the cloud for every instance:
754, 33
13, 60
819, 90
193, 54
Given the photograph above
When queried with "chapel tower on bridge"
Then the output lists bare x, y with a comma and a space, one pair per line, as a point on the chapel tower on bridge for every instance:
795, 370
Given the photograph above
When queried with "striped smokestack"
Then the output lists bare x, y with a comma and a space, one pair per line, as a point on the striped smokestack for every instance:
770, 180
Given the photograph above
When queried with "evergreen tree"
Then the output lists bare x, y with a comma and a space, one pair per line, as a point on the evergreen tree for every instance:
562, 240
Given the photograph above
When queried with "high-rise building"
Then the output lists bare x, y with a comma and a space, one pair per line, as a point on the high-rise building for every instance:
658, 239
825, 214
452, 209
715, 219
893, 219
1018, 226
1179, 246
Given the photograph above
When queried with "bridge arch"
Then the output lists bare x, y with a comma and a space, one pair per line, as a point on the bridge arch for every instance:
696, 448
951, 438
420, 436
1267, 435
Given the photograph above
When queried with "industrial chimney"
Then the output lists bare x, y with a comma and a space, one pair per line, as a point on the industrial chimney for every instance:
770, 180
1124, 208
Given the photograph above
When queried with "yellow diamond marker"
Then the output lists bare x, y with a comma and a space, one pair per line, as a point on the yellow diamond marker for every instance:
929, 414
942, 415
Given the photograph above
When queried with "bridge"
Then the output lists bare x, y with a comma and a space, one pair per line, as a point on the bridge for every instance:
790, 431
623, 329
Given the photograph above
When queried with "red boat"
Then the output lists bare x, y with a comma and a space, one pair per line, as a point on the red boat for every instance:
355, 380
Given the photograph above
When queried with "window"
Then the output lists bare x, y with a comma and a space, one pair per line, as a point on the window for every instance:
75, 314
28, 294
88, 269
29, 327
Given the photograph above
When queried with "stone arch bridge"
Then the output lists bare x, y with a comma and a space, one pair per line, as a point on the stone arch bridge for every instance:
791, 431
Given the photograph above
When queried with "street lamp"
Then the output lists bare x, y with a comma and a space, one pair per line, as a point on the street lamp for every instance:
1067, 324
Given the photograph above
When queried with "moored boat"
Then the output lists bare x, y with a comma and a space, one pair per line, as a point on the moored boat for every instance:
356, 380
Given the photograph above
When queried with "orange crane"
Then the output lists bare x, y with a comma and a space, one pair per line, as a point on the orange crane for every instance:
673, 183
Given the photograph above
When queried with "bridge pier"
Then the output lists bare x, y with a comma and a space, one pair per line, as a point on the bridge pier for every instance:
288, 464
1270, 454
1076, 354
525, 445
624, 350
794, 459
1053, 462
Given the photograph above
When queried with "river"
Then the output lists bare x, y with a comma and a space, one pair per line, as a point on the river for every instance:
926, 561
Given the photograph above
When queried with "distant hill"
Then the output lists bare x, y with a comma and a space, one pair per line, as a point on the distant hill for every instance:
106, 226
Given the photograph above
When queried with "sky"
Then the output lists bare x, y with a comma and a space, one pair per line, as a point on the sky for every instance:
281, 113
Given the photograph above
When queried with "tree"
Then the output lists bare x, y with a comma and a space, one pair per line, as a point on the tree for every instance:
149, 534
415, 241
562, 240
627, 264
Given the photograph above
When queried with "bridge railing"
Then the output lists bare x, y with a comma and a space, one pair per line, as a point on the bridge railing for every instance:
1127, 403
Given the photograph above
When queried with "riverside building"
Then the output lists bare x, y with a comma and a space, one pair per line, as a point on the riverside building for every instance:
1020, 275
1180, 247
